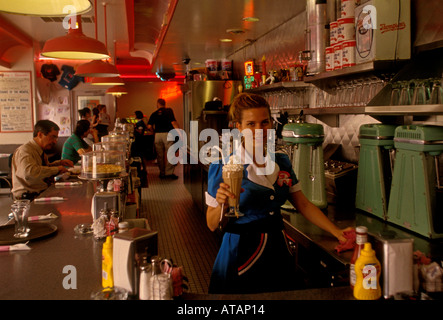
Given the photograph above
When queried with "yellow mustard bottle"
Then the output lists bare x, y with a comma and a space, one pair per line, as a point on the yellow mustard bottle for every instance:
107, 271
367, 269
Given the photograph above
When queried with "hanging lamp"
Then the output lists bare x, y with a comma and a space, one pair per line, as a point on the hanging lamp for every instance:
75, 45
98, 68
117, 91
45, 8
107, 81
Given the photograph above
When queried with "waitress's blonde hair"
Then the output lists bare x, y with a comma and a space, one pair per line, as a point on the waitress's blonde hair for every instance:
245, 101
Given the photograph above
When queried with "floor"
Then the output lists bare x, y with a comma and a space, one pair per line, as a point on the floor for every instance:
182, 232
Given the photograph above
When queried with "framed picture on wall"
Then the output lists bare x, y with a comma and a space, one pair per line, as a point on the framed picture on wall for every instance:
89, 102
16, 110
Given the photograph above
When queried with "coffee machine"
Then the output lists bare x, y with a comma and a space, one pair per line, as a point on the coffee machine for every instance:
307, 158
416, 198
375, 168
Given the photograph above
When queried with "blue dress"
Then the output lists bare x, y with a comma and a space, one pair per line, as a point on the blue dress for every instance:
254, 255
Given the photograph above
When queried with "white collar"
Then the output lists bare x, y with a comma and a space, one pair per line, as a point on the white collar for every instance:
255, 173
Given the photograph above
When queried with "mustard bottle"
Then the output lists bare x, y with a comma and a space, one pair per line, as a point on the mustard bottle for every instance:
367, 269
107, 271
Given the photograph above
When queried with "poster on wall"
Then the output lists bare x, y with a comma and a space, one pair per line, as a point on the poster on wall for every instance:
89, 102
58, 111
16, 101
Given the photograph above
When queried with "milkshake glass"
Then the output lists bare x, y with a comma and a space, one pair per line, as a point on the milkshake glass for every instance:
233, 176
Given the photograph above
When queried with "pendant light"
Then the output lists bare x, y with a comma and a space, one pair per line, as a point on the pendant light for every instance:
107, 81
75, 45
98, 68
117, 91
45, 8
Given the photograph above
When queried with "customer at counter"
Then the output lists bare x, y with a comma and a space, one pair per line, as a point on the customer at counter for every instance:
31, 171
254, 255
75, 145
92, 137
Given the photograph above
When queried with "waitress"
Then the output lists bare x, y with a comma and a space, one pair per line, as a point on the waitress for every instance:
254, 255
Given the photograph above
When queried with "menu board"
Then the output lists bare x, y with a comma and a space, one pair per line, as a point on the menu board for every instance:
15, 101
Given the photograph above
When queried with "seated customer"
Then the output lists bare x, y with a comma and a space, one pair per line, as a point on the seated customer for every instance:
75, 146
31, 170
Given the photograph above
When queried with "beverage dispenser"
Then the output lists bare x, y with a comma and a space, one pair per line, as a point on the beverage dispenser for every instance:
307, 158
375, 168
416, 198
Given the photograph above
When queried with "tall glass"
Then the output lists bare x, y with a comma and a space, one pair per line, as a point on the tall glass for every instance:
21, 212
395, 95
405, 93
437, 92
419, 96
234, 180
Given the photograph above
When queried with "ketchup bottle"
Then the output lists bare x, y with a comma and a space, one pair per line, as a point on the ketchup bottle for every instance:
360, 238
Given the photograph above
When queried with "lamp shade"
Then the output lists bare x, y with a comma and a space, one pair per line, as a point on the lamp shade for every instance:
45, 8
75, 45
97, 68
117, 91
107, 81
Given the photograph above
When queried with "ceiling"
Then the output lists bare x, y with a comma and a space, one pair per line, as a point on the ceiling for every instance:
146, 36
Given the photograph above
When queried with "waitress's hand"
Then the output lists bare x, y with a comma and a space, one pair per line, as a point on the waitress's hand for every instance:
340, 235
223, 193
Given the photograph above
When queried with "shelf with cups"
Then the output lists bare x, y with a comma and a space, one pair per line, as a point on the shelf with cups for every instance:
283, 85
330, 79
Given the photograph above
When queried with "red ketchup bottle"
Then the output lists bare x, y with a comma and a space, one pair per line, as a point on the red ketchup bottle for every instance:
361, 238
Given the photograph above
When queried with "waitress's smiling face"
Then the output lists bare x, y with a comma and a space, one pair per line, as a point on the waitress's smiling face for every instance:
254, 119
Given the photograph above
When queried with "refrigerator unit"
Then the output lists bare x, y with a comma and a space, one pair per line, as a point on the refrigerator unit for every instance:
197, 94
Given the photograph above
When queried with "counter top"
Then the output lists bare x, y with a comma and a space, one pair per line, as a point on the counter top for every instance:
333, 293
308, 232
42, 272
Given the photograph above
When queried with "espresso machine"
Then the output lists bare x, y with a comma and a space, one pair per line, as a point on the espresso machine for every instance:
416, 195
307, 158
375, 167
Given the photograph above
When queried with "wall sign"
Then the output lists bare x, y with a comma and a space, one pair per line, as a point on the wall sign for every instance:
16, 102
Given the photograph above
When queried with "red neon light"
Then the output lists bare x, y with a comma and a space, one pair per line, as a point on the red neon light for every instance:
170, 92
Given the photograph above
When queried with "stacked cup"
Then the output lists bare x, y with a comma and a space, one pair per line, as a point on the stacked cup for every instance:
20, 210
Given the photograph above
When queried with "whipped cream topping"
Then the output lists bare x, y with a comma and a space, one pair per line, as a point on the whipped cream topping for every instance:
233, 164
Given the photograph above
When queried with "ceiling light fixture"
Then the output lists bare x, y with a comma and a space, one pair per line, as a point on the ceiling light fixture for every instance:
75, 45
235, 31
98, 68
117, 91
107, 81
251, 19
226, 40
46, 8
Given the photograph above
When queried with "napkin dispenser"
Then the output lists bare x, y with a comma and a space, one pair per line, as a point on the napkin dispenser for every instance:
98, 202
129, 249
395, 252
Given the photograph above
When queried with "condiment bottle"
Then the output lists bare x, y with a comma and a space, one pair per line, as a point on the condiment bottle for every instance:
145, 275
367, 269
107, 269
112, 226
360, 239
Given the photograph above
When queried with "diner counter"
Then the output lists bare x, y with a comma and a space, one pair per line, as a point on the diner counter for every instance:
40, 272
45, 272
